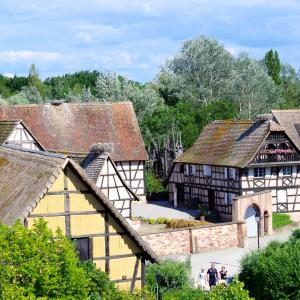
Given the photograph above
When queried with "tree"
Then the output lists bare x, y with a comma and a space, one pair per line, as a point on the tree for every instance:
272, 273
36, 263
272, 63
34, 82
201, 71
253, 91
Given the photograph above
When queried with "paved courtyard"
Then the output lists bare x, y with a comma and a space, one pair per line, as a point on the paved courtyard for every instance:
164, 209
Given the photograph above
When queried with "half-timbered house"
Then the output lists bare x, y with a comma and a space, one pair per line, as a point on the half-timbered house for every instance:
16, 133
103, 171
73, 128
36, 184
234, 158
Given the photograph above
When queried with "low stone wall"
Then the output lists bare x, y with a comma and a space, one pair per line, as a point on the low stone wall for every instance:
194, 240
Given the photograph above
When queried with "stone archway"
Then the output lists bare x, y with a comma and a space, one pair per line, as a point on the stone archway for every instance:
250, 213
260, 202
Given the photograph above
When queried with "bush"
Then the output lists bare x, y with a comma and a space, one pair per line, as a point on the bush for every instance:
186, 294
35, 263
162, 220
235, 291
272, 273
151, 221
183, 223
281, 220
173, 275
153, 184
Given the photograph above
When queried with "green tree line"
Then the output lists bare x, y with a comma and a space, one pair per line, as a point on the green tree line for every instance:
202, 82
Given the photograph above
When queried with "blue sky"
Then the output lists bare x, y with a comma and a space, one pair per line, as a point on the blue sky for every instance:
135, 37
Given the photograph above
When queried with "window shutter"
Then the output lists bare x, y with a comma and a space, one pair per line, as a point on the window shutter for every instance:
225, 173
226, 198
186, 168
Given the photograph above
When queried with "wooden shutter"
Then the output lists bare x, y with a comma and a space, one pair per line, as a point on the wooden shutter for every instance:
82, 247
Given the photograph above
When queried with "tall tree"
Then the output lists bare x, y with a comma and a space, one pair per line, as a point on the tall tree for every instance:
201, 71
272, 63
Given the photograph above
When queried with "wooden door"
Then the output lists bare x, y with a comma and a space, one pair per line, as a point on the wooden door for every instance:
211, 200
180, 194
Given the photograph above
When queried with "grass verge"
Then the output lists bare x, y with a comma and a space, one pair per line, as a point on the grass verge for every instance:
280, 220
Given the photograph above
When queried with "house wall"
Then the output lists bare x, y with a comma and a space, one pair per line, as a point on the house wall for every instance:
70, 205
113, 188
22, 138
209, 191
285, 189
133, 173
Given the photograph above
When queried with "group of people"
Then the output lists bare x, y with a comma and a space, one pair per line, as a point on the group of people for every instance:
212, 276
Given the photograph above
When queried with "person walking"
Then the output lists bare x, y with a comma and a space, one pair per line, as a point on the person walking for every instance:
202, 279
212, 276
223, 275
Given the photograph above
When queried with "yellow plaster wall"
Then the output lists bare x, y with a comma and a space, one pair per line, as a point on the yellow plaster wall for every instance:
114, 226
50, 204
87, 224
74, 184
98, 246
58, 185
123, 267
122, 245
84, 202
100, 264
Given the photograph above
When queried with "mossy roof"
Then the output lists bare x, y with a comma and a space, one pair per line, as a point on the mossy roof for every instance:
229, 143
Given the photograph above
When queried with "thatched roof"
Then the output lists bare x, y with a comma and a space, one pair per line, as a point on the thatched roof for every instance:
25, 177
94, 162
290, 120
75, 127
229, 143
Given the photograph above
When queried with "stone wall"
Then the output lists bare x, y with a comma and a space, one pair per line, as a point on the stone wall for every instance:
194, 240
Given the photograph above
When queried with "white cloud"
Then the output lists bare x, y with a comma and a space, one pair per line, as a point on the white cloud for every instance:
13, 56
9, 75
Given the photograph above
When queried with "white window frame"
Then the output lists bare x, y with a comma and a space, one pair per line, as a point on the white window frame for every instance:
186, 169
207, 170
261, 172
284, 170
228, 198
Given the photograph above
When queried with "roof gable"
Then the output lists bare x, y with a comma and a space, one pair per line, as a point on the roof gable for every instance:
290, 120
25, 177
75, 127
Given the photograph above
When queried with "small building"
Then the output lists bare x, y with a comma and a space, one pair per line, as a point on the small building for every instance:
103, 171
16, 133
36, 184
236, 158
72, 128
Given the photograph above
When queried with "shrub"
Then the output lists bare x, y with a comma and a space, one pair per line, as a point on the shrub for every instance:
162, 220
36, 263
272, 273
153, 184
173, 275
281, 220
235, 291
183, 223
186, 294
151, 221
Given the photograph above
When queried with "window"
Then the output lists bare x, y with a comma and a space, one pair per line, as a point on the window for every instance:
231, 173
181, 168
228, 198
82, 247
186, 169
207, 170
192, 170
287, 171
193, 192
259, 172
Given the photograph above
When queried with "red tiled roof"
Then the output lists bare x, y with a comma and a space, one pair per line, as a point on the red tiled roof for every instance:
76, 127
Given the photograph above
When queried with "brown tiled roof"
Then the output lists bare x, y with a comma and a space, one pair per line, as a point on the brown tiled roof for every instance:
290, 120
228, 143
25, 177
75, 127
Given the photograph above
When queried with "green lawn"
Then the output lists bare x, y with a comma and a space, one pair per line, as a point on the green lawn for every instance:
281, 220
